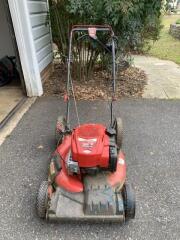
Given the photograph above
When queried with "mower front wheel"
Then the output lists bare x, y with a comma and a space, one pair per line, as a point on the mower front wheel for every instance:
42, 199
129, 201
60, 129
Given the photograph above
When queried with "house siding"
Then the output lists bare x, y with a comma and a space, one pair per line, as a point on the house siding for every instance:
38, 10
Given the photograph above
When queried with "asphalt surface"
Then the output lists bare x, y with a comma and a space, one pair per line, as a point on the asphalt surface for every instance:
152, 147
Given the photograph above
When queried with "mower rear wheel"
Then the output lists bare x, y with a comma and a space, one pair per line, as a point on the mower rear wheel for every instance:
119, 132
60, 128
129, 201
42, 199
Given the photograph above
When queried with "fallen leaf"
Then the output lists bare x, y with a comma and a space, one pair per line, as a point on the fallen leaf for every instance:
40, 147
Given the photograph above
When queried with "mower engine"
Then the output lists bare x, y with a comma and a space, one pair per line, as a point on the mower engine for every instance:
93, 148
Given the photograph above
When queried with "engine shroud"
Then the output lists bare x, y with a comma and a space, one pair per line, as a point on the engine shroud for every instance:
90, 146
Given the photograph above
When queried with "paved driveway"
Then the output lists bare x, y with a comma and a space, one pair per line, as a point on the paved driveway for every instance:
152, 146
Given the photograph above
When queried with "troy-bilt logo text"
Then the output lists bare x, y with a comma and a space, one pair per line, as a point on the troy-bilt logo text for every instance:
87, 144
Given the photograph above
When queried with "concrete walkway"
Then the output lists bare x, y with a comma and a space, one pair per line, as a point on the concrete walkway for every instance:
163, 77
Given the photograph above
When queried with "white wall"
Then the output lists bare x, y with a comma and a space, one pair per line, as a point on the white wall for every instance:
41, 31
6, 45
33, 38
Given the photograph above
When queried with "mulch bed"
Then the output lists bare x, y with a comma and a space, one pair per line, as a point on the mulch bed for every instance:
129, 83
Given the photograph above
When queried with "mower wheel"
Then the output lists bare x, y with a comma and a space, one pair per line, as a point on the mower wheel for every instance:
119, 132
42, 199
129, 201
60, 128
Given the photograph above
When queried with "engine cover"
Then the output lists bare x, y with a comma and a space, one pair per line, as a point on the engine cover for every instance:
90, 146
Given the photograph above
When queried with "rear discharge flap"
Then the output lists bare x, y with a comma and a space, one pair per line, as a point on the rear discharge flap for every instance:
98, 202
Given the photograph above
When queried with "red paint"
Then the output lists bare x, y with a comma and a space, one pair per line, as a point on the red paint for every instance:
64, 147
97, 155
66, 98
69, 183
119, 175
90, 146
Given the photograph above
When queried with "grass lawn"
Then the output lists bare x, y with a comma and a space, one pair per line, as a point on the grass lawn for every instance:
167, 47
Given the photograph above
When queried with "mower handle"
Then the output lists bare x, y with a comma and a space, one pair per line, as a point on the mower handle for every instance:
98, 28
88, 28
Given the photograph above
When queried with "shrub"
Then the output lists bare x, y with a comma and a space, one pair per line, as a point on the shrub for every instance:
133, 21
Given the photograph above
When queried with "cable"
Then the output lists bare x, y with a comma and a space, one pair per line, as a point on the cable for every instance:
75, 102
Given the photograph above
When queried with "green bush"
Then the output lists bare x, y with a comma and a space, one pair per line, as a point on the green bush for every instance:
133, 21
178, 21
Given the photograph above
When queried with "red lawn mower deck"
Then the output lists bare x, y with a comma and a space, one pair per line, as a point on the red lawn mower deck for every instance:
87, 172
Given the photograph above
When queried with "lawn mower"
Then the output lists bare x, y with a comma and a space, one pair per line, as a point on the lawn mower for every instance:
87, 171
